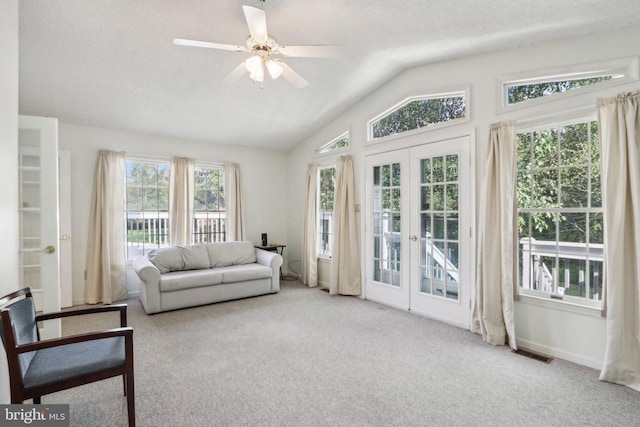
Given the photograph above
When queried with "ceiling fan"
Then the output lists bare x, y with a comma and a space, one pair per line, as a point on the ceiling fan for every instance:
265, 51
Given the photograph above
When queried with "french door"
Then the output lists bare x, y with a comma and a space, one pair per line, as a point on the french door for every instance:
418, 229
39, 213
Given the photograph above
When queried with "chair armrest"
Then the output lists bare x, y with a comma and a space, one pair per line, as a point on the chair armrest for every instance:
122, 308
73, 339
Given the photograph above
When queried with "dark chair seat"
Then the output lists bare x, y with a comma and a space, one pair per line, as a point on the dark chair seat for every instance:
74, 360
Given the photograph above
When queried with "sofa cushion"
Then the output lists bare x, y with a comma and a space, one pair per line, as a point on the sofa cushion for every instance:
222, 254
178, 280
195, 257
244, 273
167, 259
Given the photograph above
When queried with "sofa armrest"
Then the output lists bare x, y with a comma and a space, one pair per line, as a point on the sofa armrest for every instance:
150, 286
274, 260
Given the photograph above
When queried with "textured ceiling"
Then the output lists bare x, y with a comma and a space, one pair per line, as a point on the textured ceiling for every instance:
112, 63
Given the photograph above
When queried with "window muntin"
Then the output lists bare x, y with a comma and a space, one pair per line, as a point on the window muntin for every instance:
419, 112
326, 189
146, 206
560, 224
339, 143
209, 213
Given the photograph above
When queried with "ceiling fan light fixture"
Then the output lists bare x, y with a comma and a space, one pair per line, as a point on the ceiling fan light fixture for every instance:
254, 65
275, 69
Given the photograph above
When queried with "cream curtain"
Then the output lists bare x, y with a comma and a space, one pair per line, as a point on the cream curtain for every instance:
235, 227
345, 263
181, 192
493, 310
106, 279
310, 234
619, 125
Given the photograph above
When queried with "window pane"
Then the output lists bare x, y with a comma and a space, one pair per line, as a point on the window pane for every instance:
545, 149
134, 198
437, 203
163, 198
452, 197
545, 189
573, 228
150, 174
452, 167
418, 114
425, 170
596, 228
425, 198
438, 169
523, 92
150, 199
395, 171
574, 145
574, 187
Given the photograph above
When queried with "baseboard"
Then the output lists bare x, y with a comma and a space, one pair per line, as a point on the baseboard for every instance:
131, 294
560, 354
381, 302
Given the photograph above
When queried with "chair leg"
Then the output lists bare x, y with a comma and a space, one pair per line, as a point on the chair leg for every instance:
131, 404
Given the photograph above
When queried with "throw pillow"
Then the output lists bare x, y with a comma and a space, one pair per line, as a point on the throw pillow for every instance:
166, 259
195, 257
224, 254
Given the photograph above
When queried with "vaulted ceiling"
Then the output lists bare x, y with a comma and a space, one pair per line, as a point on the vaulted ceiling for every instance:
112, 63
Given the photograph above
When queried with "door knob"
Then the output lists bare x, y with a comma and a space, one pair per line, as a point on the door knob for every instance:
414, 238
50, 249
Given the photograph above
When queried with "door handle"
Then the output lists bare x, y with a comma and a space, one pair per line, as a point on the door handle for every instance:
413, 238
50, 249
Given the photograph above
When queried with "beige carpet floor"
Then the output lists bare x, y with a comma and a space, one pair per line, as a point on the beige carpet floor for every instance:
304, 358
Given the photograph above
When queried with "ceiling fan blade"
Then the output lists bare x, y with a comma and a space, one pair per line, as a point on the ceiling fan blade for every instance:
236, 73
316, 51
196, 43
289, 74
257, 22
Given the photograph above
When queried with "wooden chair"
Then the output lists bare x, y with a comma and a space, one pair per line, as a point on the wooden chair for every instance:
40, 367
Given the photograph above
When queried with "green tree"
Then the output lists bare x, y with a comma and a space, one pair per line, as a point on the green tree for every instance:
521, 93
418, 114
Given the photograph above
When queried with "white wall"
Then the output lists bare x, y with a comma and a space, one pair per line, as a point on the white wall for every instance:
574, 336
264, 182
9, 221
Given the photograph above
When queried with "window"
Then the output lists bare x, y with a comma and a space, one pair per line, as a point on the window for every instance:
326, 188
535, 87
419, 112
523, 92
339, 143
560, 223
146, 206
209, 208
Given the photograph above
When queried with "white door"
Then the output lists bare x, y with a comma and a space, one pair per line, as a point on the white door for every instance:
39, 255
419, 218
387, 228
440, 236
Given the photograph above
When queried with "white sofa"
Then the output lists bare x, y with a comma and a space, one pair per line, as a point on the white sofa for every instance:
185, 276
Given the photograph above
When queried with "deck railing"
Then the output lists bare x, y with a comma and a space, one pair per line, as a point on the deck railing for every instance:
562, 268
148, 232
